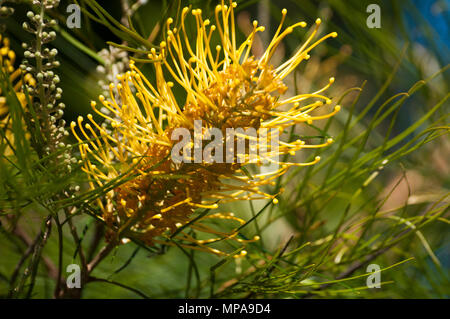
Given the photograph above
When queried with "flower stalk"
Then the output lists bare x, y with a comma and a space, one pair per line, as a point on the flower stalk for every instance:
40, 61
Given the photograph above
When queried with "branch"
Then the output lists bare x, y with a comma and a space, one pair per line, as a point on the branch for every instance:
28, 241
93, 279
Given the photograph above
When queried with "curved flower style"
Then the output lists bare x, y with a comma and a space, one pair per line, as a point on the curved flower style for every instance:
226, 88
7, 59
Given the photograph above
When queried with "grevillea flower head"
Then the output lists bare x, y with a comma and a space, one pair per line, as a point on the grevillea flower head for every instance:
7, 59
225, 87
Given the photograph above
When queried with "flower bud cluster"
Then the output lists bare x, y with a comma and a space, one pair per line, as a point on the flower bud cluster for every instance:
41, 61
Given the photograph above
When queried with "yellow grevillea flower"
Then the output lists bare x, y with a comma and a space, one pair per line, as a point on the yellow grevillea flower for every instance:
7, 59
226, 88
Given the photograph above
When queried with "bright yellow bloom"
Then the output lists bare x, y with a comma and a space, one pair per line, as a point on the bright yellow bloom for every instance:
225, 87
7, 59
